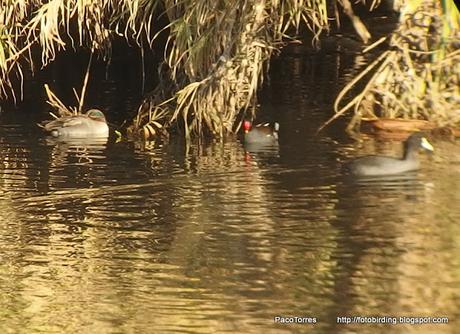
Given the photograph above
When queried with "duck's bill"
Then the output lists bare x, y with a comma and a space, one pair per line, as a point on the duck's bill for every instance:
426, 145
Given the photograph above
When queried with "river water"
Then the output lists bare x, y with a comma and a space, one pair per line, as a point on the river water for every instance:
126, 237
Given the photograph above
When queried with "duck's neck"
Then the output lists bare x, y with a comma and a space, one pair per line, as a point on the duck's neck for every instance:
410, 154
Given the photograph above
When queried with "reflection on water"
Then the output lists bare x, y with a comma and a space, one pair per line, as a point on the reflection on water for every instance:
111, 237
123, 238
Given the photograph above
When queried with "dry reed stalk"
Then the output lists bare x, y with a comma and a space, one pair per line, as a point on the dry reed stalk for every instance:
215, 57
419, 77
57, 104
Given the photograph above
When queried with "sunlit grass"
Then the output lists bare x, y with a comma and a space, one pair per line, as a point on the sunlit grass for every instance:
419, 77
214, 57
216, 54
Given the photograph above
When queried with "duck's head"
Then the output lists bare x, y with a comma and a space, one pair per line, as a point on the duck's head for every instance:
247, 125
96, 115
418, 140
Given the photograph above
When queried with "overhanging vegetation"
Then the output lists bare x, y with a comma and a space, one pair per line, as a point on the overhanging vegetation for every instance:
419, 76
213, 58
216, 53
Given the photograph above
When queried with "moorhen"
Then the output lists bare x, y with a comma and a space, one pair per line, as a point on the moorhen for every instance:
262, 134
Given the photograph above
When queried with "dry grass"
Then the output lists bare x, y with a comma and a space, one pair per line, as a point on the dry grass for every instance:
214, 58
419, 77
217, 53
48, 24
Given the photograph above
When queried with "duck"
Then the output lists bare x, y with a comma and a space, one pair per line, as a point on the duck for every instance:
262, 134
90, 124
376, 165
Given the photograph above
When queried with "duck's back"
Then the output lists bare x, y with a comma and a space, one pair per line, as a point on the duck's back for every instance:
76, 126
262, 134
262, 137
62, 122
378, 165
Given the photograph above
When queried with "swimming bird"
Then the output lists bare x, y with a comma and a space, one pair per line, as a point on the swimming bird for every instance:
375, 165
262, 134
90, 124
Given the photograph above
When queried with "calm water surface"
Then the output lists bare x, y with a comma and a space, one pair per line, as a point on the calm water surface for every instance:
130, 238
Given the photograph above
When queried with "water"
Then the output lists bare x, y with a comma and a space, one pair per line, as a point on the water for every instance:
129, 238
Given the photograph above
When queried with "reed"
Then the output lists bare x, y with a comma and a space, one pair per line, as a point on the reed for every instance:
214, 57
418, 77
216, 54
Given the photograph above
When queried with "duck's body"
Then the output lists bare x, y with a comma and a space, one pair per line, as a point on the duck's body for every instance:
374, 165
261, 134
91, 124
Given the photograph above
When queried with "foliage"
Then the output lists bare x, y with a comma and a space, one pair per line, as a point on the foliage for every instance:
419, 76
55, 25
213, 58
216, 53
